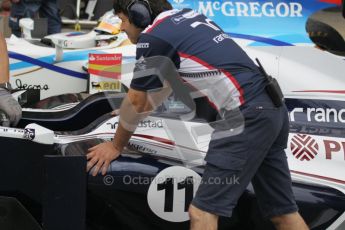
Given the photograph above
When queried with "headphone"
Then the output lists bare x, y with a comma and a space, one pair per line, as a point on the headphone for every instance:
140, 13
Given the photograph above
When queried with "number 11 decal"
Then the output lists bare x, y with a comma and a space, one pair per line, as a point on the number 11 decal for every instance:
171, 193
187, 185
168, 186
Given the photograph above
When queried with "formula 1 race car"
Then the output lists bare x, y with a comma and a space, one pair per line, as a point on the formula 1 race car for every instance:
146, 187
151, 185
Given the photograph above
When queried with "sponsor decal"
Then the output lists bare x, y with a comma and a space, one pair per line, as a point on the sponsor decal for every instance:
303, 147
333, 147
306, 147
251, 9
318, 115
142, 124
180, 18
113, 125
151, 124
237, 17
221, 37
105, 65
29, 134
106, 58
107, 85
22, 86
313, 129
143, 45
141, 148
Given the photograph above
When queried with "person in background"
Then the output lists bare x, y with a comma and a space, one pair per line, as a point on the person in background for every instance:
210, 61
8, 104
5, 7
30, 8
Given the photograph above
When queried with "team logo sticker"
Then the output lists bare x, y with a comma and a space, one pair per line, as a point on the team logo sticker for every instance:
304, 147
171, 193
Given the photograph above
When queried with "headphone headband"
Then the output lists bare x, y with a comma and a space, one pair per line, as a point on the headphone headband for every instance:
146, 2
140, 13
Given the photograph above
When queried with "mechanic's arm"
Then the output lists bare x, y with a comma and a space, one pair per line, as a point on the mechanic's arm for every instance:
8, 104
135, 107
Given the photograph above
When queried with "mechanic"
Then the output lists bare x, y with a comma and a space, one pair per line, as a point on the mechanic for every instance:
7, 103
30, 8
206, 56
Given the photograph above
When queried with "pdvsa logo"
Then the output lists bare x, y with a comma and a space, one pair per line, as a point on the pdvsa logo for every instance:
307, 147
304, 147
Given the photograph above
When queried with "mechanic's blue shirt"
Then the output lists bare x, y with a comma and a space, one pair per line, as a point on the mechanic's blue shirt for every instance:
206, 58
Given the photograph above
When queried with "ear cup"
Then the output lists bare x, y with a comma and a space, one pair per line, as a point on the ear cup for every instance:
140, 14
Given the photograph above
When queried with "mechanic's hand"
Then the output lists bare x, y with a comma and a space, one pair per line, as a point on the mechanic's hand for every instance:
100, 157
115, 112
10, 106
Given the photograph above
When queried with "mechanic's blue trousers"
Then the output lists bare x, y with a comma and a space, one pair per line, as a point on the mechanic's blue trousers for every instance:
32, 8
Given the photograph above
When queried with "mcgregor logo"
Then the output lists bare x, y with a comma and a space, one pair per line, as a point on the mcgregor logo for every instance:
304, 147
